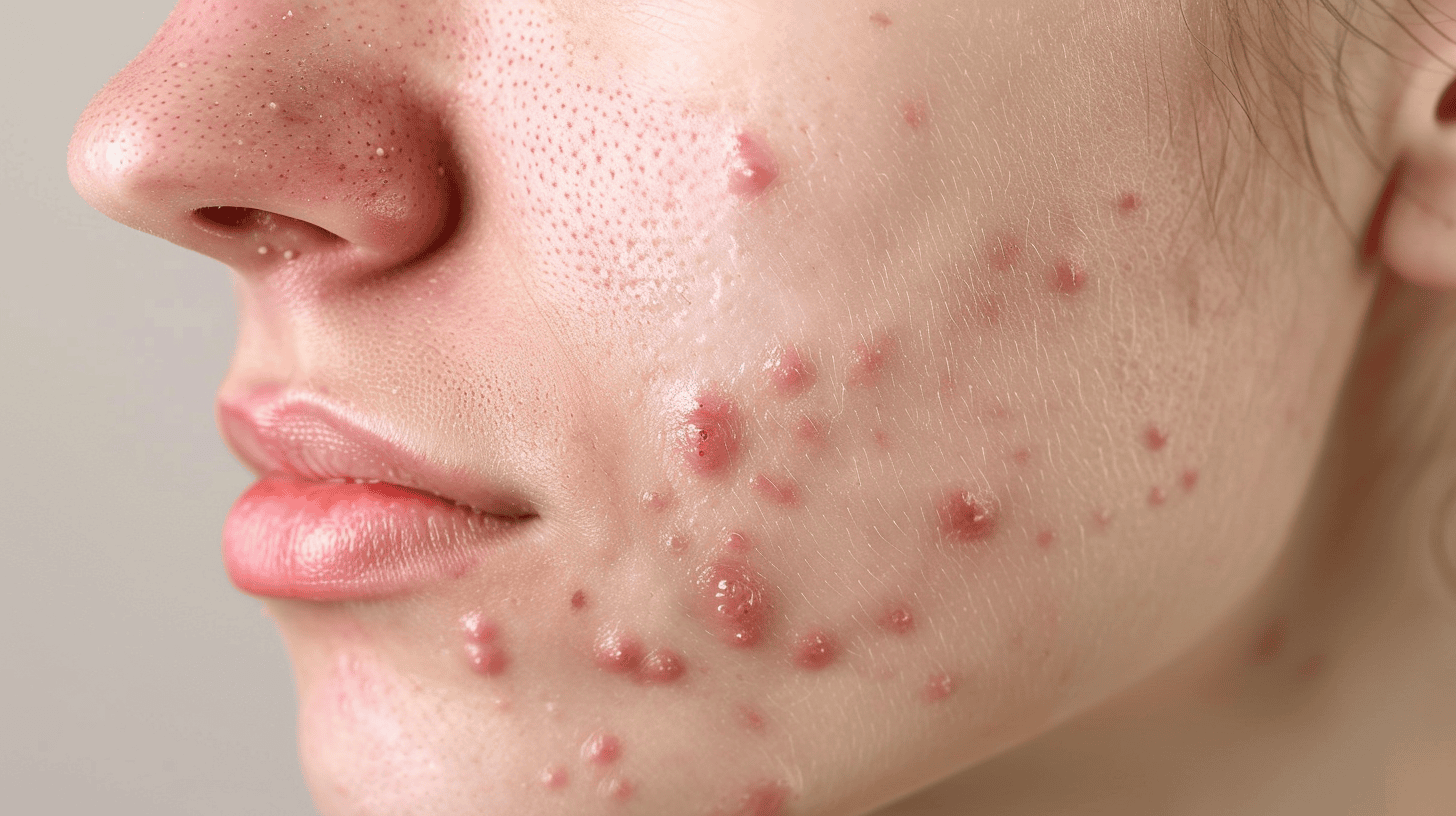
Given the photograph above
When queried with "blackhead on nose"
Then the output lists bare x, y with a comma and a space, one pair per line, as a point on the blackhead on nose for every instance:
265, 134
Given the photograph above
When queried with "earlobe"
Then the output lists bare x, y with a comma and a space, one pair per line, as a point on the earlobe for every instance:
1412, 230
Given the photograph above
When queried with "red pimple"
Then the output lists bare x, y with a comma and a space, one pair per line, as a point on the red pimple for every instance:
554, 777
761, 800
967, 517
1129, 203
1189, 480
661, 666
477, 628
1270, 643
601, 748
1003, 253
898, 620
753, 166
486, 659
1154, 438
677, 545
1021, 456
1102, 518
710, 435
1045, 539
578, 600
656, 501
752, 718
1156, 496
776, 489
1068, 277
938, 687
617, 652
735, 602
789, 373
868, 361
738, 542
618, 788
880, 19
815, 650
915, 112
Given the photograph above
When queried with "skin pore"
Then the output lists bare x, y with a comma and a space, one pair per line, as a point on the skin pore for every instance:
838, 402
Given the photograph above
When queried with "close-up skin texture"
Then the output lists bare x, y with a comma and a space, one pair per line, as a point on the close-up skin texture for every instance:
766, 408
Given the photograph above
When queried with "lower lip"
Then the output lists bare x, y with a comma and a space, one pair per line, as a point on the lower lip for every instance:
344, 541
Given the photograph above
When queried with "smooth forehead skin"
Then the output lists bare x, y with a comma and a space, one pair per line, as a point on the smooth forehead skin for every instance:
879, 388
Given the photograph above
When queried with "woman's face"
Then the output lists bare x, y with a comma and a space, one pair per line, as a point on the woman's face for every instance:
823, 396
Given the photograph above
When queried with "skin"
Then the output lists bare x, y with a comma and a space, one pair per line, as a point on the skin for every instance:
1025, 355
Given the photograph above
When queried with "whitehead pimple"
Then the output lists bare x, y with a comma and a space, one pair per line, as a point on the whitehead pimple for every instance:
601, 749
752, 166
554, 777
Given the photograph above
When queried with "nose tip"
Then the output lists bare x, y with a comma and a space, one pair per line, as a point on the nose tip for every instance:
259, 153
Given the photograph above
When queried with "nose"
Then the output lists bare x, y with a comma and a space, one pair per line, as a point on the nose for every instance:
265, 134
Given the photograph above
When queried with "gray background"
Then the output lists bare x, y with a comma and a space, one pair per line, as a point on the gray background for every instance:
133, 678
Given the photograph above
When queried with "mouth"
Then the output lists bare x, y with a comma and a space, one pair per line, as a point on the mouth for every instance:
344, 511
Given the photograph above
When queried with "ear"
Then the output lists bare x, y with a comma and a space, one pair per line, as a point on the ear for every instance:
1413, 229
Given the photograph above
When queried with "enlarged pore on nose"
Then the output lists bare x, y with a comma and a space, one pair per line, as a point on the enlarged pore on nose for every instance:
240, 147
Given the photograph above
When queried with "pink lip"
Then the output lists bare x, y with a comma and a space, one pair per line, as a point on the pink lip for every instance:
342, 513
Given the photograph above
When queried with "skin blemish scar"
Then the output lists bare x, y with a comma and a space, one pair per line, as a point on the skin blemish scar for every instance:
752, 169
967, 517
710, 436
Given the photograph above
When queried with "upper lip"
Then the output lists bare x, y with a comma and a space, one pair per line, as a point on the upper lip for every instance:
306, 436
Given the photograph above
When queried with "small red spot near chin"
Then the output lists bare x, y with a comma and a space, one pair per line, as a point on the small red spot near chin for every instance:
880, 19
554, 777
1154, 438
1003, 253
578, 600
661, 666
1157, 496
815, 650
967, 517
617, 788
1045, 539
898, 620
753, 167
761, 800
617, 652
710, 435
868, 361
486, 659
601, 748
789, 373
1270, 643
1068, 277
735, 602
776, 489
1129, 203
939, 687
1189, 480
915, 112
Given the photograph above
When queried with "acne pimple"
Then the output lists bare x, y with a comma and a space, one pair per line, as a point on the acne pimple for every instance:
478, 628
738, 542
1021, 456
880, 19
483, 653
939, 687
677, 545
868, 360
1189, 480
656, 501
815, 649
1045, 539
897, 619
789, 373
1156, 496
1102, 518
616, 651
1003, 253
661, 666
809, 431
617, 788
1129, 203
601, 748
752, 718
1270, 643
578, 600
967, 517
767, 799
752, 167
1068, 277
735, 602
554, 777
710, 435
915, 112
776, 489
1154, 438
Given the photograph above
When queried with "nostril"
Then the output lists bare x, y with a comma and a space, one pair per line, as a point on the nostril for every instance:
231, 218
